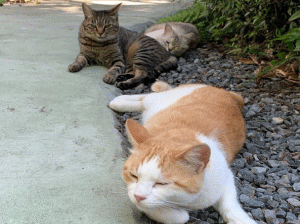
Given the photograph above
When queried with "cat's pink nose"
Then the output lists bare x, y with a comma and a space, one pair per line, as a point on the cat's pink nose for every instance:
139, 198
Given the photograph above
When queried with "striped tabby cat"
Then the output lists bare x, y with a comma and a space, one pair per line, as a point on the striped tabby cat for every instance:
130, 56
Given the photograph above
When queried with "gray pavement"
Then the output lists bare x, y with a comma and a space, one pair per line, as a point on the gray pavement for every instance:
60, 155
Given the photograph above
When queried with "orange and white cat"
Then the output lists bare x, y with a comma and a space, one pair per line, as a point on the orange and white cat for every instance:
181, 154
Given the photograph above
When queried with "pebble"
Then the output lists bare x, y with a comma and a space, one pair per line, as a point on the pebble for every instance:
273, 163
296, 186
293, 202
257, 213
277, 120
270, 216
259, 170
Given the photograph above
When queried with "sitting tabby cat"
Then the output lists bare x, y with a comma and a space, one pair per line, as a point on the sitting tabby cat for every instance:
180, 157
134, 56
176, 37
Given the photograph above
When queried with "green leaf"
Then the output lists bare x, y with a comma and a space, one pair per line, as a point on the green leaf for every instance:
296, 15
237, 50
297, 46
274, 62
281, 55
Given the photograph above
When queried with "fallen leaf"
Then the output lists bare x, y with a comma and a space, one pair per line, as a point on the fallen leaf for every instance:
247, 61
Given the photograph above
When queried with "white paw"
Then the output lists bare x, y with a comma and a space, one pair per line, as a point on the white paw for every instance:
118, 103
170, 216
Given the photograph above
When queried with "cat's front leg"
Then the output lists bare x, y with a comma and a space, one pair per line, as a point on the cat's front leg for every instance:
79, 63
229, 207
117, 69
169, 215
128, 103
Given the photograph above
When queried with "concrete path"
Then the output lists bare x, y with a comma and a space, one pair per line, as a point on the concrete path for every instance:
60, 155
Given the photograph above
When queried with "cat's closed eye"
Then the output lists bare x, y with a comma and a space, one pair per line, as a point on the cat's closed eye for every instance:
134, 176
161, 183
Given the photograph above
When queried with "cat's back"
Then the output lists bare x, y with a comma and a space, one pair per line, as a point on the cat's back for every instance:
204, 110
178, 27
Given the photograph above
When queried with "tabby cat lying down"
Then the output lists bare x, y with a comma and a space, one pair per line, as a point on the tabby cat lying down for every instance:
128, 55
181, 155
176, 37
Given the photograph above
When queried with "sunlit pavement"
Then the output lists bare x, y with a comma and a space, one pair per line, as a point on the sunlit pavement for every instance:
60, 155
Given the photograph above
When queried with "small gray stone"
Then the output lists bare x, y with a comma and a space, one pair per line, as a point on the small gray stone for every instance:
226, 65
244, 198
290, 216
182, 59
277, 120
191, 81
281, 214
273, 163
294, 202
270, 216
257, 213
267, 100
296, 186
273, 204
285, 108
252, 203
259, 170
239, 163
246, 175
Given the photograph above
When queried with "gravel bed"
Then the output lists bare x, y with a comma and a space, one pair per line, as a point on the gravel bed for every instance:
267, 168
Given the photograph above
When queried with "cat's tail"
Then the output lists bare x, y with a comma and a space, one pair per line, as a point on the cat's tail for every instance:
160, 86
171, 63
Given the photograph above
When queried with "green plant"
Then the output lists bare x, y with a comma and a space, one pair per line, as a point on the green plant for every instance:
244, 21
292, 40
197, 15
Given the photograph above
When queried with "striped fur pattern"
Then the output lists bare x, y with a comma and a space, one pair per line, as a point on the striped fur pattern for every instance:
132, 58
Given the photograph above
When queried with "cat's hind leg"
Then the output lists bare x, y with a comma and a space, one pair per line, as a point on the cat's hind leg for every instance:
128, 103
229, 207
129, 73
79, 63
139, 77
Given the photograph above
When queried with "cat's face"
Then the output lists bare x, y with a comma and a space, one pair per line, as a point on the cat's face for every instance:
100, 25
170, 40
163, 173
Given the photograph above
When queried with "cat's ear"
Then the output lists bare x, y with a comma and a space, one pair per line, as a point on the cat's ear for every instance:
114, 10
196, 157
88, 11
168, 29
137, 132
